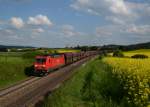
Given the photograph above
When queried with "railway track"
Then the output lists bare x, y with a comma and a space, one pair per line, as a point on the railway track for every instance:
30, 91
18, 85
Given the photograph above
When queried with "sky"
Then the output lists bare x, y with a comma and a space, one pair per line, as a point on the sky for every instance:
61, 23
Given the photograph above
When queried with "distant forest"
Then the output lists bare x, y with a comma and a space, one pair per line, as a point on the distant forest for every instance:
127, 47
115, 47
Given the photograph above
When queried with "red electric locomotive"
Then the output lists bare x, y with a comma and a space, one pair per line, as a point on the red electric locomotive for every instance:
47, 63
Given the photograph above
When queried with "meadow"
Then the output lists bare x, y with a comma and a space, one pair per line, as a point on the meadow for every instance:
12, 68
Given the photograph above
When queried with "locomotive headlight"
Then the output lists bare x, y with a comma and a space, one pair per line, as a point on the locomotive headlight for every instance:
43, 65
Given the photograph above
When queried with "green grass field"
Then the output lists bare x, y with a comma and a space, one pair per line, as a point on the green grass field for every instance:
12, 54
13, 65
141, 51
12, 68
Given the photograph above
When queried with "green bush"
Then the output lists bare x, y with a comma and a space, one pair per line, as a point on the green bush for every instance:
142, 56
104, 53
118, 53
100, 57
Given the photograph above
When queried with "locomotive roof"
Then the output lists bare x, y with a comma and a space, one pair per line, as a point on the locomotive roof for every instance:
55, 54
49, 55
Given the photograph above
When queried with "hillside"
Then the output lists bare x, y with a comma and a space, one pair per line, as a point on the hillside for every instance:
127, 47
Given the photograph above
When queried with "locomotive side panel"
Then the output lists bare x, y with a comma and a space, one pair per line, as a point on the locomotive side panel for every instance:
55, 62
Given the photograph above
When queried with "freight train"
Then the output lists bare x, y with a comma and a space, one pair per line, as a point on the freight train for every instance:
48, 63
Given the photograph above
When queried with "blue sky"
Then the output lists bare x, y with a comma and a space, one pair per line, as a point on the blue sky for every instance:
59, 23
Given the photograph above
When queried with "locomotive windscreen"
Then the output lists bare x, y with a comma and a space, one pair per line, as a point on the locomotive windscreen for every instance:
41, 60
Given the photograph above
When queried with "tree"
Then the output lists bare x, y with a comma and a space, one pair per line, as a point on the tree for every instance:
118, 53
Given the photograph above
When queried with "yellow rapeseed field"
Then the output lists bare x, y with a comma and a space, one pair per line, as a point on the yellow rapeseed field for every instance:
134, 74
67, 50
140, 51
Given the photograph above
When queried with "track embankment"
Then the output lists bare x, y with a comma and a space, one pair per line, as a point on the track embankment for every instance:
28, 93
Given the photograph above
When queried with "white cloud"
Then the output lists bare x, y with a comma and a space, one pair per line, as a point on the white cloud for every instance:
39, 20
67, 28
117, 11
38, 30
69, 31
17, 22
101, 6
115, 20
9, 31
123, 31
2, 22
139, 29
7, 34
141, 9
102, 31
118, 7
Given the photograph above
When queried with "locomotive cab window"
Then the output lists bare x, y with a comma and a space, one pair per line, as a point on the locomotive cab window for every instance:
41, 60
55, 55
